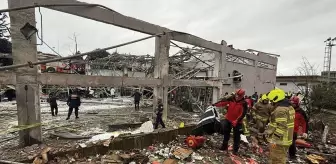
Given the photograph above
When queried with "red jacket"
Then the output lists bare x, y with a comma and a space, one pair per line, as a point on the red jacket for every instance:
249, 102
300, 122
235, 111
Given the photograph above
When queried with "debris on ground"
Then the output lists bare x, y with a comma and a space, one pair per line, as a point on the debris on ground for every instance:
315, 159
92, 129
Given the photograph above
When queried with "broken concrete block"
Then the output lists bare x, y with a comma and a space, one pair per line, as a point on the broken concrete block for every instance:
182, 153
125, 156
170, 161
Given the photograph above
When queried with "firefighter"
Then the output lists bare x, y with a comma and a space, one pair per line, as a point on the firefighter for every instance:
281, 127
255, 97
245, 126
237, 110
300, 125
159, 112
209, 123
261, 113
289, 95
73, 103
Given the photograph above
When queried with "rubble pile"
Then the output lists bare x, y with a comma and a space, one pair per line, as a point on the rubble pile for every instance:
177, 152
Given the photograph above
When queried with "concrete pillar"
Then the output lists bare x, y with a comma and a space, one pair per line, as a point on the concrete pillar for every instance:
222, 72
257, 78
219, 71
27, 88
161, 68
216, 72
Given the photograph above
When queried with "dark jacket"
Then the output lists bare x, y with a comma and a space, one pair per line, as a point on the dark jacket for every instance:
52, 101
74, 101
159, 110
137, 96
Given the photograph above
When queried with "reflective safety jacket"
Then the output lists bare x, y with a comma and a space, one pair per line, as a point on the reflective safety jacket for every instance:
281, 127
262, 111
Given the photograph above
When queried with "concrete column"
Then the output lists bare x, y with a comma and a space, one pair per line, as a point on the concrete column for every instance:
222, 72
161, 68
27, 88
216, 73
257, 82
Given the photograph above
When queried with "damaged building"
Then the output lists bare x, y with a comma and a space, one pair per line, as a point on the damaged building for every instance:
194, 77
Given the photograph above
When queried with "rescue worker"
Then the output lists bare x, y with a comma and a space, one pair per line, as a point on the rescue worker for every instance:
112, 92
261, 113
137, 97
300, 125
255, 97
245, 126
73, 103
209, 123
247, 118
249, 105
53, 104
289, 95
159, 112
281, 127
237, 109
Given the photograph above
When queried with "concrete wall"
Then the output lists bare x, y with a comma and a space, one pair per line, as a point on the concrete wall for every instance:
255, 78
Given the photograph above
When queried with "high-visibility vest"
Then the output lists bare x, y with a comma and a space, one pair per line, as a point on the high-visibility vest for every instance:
245, 127
282, 125
262, 111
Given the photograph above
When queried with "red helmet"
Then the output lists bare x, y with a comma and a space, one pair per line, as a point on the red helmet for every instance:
240, 92
295, 100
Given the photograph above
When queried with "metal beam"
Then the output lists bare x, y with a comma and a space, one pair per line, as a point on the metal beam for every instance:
95, 81
111, 17
9, 78
194, 83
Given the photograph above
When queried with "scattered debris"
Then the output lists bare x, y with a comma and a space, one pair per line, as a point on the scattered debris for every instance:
315, 159
325, 133
9, 162
170, 161
67, 135
182, 153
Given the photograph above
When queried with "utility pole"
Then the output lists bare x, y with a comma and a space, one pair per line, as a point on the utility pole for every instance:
27, 87
327, 56
75, 40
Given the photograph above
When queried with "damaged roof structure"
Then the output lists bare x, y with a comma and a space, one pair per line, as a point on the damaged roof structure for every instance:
208, 64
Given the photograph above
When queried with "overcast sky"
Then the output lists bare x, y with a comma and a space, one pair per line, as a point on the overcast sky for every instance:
290, 28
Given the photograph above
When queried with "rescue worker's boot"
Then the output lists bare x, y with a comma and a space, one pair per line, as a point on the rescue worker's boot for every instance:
224, 146
278, 154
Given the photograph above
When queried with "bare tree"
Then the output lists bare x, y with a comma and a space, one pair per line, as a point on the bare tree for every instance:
307, 71
306, 68
4, 30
